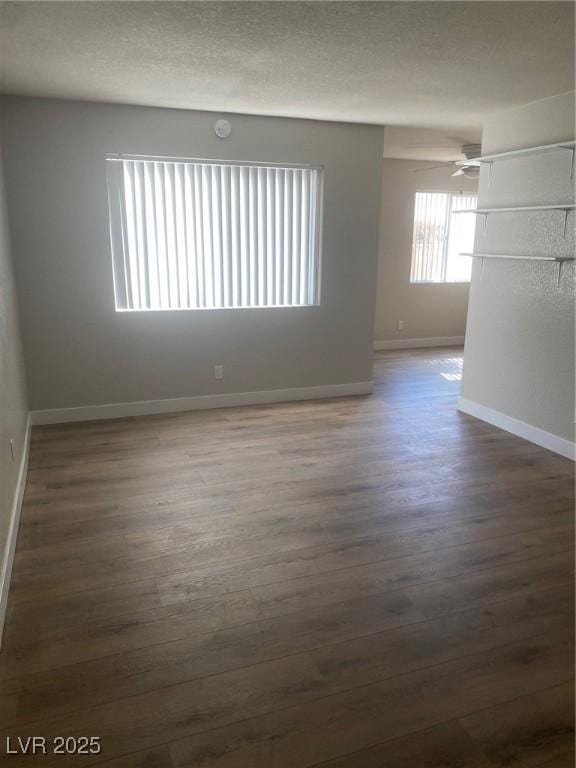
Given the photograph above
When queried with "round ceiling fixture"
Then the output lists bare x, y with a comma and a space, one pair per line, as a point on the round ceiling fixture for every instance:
222, 129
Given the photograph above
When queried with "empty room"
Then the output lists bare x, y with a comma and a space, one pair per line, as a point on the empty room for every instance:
287, 384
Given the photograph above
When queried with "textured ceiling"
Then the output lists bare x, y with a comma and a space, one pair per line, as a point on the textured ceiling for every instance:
435, 64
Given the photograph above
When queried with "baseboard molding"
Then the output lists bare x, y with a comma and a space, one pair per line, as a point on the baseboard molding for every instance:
10, 547
434, 341
201, 402
520, 428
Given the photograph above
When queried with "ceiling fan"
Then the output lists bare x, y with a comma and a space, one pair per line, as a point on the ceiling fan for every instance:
469, 167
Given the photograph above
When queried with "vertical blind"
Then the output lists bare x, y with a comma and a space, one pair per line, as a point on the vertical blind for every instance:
207, 235
440, 236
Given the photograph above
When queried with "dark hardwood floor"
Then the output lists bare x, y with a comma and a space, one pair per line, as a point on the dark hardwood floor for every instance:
375, 582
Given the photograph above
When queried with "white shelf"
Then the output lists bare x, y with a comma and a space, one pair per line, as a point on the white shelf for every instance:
570, 145
554, 207
513, 256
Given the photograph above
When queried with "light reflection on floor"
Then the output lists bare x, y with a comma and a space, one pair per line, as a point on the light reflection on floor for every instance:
450, 368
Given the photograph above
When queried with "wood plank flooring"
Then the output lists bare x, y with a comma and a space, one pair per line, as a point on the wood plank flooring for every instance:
375, 582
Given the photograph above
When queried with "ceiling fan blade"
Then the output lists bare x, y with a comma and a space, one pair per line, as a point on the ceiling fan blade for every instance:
432, 167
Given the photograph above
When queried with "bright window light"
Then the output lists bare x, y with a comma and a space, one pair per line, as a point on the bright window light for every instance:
207, 235
440, 236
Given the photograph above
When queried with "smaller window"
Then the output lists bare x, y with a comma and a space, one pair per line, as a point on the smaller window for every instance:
440, 236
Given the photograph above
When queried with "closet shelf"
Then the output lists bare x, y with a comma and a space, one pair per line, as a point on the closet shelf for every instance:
553, 207
514, 256
569, 145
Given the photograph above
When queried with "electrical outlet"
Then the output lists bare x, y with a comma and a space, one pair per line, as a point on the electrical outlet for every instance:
218, 371
400, 325
12, 448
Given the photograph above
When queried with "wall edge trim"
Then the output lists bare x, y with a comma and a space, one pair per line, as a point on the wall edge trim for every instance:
13, 528
432, 341
519, 428
198, 402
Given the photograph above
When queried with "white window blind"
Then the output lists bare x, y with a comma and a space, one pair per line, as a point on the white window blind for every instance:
440, 236
207, 235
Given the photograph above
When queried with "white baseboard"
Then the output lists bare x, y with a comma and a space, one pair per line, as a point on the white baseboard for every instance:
520, 428
201, 402
433, 341
10, 547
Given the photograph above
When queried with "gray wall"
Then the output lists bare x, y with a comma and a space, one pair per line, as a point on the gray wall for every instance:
427, 310
519, 354
79, 351
13, 405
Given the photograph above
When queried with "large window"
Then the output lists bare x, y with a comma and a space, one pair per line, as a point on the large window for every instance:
441, 236
209, 235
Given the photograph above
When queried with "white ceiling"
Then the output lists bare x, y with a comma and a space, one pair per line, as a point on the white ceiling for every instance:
443, 65
428, 143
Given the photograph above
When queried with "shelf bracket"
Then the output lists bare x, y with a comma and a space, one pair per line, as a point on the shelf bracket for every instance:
565, 223
572, 151
559, 272
485, 222
490, 164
